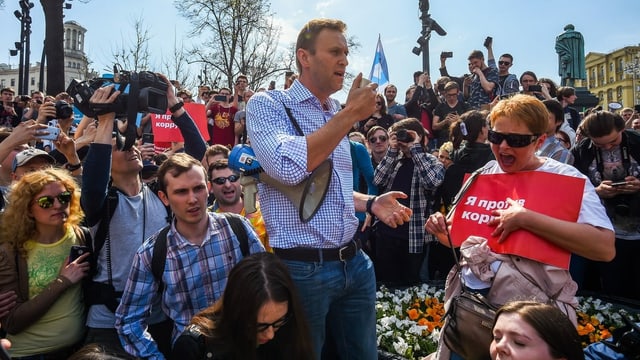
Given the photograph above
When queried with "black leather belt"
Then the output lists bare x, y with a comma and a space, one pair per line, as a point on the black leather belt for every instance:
344, 253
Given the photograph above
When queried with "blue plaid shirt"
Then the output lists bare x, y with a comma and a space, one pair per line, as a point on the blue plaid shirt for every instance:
194, 278
283, 155
553, 149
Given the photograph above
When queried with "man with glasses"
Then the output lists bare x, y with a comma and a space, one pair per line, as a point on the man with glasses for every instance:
508, 83
446, 113
609, 157
224, 185
378, 144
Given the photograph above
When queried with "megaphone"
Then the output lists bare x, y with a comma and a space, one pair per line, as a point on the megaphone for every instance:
307, 196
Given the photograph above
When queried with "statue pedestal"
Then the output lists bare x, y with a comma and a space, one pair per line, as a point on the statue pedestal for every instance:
585, 99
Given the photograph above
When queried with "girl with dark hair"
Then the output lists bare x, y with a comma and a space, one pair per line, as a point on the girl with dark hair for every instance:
258, 317
380, 117
39, 228
530, 330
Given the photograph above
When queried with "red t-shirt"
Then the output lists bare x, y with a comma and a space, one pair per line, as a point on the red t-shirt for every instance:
222, 131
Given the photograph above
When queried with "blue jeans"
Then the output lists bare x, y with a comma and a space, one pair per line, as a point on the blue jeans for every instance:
339, 296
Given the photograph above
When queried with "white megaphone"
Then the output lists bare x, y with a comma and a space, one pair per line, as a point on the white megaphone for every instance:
307, 196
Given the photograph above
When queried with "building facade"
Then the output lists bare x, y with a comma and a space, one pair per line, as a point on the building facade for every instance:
76, 62
615, 77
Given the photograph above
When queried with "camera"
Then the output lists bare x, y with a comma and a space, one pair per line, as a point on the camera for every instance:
446, 54
63, 110
403, 135
140, 91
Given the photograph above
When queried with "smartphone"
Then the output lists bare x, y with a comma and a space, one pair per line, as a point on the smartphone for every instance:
446, 54
76, 251
619, 183
220, 98
364, 82
53, 133
147, 138
537, 88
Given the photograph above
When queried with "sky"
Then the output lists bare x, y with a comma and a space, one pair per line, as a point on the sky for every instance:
524, 28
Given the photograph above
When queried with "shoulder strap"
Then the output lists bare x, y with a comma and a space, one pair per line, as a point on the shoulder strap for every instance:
159, 257
111, 203
241, 233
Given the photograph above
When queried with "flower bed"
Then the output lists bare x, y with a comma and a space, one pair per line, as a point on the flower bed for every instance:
409, 320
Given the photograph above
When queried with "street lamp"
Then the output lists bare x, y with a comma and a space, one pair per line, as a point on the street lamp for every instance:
22, 47
633, 68
428, 24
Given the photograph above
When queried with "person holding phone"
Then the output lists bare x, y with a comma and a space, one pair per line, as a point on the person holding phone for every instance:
221, 113
447, 112
38, 230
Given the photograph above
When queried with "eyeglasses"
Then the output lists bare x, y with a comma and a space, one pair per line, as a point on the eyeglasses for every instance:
46, 202
222, 180
513, 140
378, 103
261, 327
375, 139
505, 63
451, 95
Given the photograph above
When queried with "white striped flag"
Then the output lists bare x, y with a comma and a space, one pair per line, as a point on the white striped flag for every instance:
379, 71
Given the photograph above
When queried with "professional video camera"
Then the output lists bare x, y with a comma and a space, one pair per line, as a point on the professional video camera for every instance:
140, 91
146, 89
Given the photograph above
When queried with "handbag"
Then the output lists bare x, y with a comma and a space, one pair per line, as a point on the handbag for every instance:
469, 320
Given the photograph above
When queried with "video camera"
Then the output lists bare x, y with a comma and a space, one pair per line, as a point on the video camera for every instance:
147, 91
140, 91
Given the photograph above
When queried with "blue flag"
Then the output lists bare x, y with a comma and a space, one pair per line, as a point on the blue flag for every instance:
379, 71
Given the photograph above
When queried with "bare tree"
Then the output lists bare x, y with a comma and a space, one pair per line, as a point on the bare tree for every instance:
239, 38
176, 67
134, 56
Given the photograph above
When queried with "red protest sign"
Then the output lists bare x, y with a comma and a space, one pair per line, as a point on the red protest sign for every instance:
555, 195
165, 130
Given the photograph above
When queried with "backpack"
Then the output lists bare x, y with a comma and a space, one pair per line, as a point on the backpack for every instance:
159, 257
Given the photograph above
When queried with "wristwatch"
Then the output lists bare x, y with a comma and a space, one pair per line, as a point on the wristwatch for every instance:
72, 167
176, 107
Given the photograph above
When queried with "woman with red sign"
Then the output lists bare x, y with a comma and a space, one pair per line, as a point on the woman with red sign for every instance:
501, 217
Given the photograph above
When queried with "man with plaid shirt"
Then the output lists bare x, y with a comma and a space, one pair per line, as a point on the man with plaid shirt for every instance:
410, 168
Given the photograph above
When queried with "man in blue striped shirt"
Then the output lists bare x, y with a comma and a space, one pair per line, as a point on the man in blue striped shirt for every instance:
333, 275
201, 250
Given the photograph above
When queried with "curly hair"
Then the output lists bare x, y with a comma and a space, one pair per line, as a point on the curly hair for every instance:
18, 225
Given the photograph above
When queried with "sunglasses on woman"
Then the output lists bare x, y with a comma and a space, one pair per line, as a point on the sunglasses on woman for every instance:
276, 324
513, 140
46, 202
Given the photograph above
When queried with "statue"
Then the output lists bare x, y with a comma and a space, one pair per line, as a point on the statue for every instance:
570, 49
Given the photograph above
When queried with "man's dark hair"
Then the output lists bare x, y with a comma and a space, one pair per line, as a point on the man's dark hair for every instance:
554, 107
175, 166
220, 164
565, 92
530, 73
476, 54
602, 123
507, 55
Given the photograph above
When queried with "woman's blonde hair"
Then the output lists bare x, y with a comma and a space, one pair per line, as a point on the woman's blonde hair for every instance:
18, 224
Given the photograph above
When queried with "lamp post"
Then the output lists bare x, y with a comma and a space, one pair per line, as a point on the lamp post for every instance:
23, 46
633, 68
428, 24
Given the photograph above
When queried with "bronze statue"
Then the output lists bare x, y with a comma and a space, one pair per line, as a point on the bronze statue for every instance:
570, 49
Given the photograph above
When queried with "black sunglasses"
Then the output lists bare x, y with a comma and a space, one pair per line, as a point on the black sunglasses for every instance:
504, 63
46, 202
513, 140
375, 139
276, 324
221, 180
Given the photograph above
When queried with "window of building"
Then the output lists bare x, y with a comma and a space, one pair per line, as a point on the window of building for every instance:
601, 95
619, 93
33, 81
13, 82
609, 95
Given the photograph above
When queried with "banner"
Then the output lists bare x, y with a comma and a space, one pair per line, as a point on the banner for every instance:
379, 70
555, 195
165, 130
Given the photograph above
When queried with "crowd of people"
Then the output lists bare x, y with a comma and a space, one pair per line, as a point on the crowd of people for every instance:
144, 252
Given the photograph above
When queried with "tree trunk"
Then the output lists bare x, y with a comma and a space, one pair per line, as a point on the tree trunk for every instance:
54, 50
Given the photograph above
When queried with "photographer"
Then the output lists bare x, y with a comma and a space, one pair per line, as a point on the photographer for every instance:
31, 112
609, 156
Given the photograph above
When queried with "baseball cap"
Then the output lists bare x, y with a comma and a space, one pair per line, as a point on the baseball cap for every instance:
24, 156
